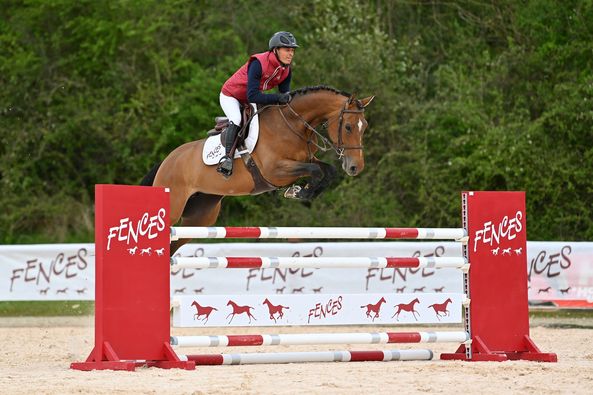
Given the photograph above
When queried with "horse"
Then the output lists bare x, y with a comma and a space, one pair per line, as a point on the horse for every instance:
285, 153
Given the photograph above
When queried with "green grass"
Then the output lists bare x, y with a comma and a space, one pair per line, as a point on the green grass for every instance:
562, 313
47, 309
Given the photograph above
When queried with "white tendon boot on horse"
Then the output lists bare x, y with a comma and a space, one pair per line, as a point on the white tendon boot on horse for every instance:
293, 192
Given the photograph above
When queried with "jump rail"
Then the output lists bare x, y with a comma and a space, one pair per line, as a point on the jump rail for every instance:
299, 339
316, 233
309, 356
315, 262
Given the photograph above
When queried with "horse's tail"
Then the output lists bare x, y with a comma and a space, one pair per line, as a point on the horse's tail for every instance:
148, 179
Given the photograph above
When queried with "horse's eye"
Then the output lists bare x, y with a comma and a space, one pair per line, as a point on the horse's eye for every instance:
348, 128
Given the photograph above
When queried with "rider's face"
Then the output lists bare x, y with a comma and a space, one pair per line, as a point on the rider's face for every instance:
285, 54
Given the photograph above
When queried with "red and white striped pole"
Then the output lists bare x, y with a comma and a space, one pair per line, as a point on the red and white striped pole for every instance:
229, 232
311, 356
315, 262
297, 339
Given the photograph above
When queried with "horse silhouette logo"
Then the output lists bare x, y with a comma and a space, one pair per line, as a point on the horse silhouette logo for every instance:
373, 309
440, 309
203, 311
239, 310
273, 310
408, 307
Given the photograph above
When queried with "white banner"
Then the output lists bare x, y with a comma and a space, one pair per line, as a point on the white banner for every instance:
557, 270
47, 272
316, 309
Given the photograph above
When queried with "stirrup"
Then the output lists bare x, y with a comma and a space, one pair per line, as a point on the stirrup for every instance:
293, 192
225, 166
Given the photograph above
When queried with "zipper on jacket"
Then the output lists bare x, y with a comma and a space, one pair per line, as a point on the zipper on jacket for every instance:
265, 86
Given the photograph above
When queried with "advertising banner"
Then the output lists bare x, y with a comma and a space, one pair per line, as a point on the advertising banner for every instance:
557, 271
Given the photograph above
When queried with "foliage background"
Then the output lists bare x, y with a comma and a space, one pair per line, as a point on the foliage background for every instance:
470, 95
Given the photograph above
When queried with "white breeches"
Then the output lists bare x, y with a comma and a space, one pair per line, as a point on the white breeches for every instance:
231, 108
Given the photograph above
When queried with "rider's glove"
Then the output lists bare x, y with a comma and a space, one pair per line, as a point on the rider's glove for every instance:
284, 98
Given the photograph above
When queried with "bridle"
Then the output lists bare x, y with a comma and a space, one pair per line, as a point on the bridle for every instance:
339, 148
345, 110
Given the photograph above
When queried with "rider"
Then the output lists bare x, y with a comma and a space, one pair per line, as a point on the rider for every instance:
263, 71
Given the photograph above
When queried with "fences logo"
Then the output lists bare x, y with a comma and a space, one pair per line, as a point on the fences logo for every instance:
215, 153
129, 231
497, 234
327, 308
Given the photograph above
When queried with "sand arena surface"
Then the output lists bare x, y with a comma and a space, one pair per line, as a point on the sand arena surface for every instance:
36, 354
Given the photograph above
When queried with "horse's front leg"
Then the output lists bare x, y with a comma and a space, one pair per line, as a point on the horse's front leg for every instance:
320, 176
329, 175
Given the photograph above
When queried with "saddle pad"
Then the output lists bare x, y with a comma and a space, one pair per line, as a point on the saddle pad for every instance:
214, 149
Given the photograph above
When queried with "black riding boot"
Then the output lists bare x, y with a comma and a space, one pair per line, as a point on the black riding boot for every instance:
225, 166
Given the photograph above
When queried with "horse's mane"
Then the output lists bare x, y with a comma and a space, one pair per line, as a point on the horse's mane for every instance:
309, 89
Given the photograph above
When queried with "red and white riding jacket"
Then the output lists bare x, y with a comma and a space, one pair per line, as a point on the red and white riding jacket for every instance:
273, 73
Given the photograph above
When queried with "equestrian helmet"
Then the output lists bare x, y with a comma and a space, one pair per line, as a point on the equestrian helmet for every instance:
282, 39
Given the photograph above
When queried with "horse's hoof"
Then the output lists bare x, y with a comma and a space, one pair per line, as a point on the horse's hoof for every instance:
293, 192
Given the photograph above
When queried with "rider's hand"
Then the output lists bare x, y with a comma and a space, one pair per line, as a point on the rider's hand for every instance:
284, 98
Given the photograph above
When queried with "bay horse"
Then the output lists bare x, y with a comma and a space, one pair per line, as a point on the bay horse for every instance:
284, 153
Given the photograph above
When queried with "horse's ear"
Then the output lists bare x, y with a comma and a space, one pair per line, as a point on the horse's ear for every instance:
366, 101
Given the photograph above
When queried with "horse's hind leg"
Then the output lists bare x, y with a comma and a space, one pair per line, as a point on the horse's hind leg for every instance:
201, 209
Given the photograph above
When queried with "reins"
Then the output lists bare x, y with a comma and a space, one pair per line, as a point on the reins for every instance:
327, 143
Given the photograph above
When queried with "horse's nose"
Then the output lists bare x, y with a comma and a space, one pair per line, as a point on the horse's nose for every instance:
352, 167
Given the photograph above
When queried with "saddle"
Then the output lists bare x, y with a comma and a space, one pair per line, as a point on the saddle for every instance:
261, 184
221, 123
